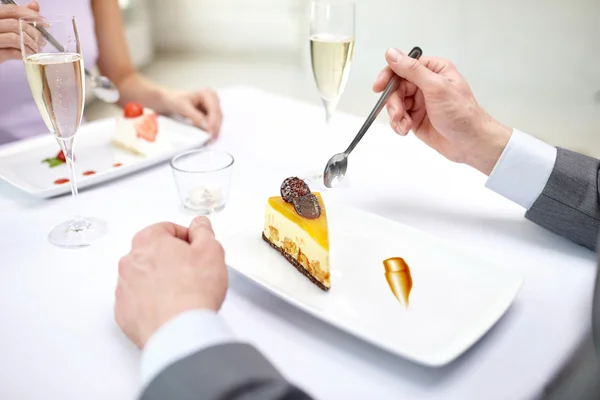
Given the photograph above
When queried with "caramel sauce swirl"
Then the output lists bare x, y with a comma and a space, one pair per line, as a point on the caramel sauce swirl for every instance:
397, 274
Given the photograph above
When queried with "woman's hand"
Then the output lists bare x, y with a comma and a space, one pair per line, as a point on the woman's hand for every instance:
10, 40
201, 107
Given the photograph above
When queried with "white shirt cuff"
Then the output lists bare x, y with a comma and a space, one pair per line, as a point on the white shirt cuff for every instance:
523, 169
180, 337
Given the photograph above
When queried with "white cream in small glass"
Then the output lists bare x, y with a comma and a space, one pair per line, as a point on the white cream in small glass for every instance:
203, 179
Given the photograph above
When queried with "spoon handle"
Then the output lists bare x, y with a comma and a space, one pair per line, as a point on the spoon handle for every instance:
385, 96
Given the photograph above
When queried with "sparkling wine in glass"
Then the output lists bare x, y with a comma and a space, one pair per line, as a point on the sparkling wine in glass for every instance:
331, 50
56, 78
331, 54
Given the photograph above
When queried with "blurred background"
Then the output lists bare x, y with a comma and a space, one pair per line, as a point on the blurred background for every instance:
533, 64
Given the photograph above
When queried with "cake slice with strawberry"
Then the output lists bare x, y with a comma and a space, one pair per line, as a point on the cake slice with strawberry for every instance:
138, 131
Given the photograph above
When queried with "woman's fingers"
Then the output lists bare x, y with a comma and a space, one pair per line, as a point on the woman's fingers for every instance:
9, 54
35, 35
10, 36
12, 41
33, 5
12, 11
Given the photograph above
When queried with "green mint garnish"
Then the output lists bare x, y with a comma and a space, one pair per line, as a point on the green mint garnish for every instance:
53, 162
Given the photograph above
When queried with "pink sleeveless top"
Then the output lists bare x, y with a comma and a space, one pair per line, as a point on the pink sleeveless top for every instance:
19, 117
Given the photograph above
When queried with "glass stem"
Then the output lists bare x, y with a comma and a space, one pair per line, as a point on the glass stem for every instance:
67, 146
330, 106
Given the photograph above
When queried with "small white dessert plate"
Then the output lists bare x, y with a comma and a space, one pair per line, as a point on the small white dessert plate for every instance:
21, 163
456, 298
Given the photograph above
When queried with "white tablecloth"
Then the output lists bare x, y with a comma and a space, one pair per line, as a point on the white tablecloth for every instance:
58, 339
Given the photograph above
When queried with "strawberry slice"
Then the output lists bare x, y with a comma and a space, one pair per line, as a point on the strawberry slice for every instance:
147, 127
61, 157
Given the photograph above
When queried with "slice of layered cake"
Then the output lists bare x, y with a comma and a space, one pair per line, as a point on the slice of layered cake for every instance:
296, 225
137, 131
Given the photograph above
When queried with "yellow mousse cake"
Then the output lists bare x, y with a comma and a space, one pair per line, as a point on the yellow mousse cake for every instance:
296, 226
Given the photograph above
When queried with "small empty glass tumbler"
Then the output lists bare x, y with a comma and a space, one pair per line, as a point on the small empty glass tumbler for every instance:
203, 179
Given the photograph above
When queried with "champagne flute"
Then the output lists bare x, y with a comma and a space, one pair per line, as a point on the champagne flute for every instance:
331, 49
56, 80
331, 53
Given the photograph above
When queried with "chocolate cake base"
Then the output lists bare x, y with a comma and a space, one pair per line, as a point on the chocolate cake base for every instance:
296, 264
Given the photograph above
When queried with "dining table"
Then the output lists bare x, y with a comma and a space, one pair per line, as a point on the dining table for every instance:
59, 339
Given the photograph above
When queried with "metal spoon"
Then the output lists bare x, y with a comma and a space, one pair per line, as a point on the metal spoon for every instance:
102, 87
338, 164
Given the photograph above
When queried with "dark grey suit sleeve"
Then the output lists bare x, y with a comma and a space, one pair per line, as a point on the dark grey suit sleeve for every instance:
569, 205
233, 371
596, 307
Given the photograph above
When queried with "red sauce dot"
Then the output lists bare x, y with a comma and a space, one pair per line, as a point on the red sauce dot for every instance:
117, 164
90, 172
61, 181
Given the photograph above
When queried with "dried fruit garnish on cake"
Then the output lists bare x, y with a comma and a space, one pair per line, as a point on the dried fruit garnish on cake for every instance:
307, 206
298, 230
293, 187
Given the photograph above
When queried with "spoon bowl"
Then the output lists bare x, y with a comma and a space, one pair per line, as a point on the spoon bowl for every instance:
103, 88
335, 170
336, 167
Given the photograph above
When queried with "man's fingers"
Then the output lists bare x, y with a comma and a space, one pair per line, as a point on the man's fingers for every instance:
408, 103
437, 65
403, 126
177, 231
154, 232
395, 107
406, 87
412, 70
382, 80
418, 110
200, 228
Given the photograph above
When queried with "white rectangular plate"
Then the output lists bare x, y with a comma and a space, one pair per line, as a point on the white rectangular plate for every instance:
455, 299
21, 163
